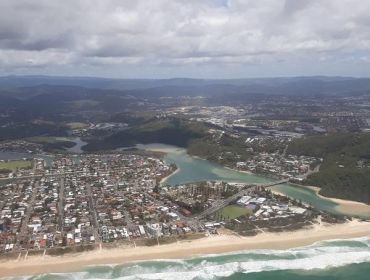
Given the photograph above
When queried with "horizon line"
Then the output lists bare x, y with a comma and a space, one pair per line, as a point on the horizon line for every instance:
181, 77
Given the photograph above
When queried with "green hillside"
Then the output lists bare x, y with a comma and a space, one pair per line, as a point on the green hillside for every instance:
172, 131
345, 171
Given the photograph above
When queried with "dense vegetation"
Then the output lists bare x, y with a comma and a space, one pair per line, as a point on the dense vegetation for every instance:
222, 149
29, 129
51, 143
345, 171
50, 106
134, 118
172, 131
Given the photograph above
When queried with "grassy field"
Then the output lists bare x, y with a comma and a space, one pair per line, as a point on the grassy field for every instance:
233, 211
77, 125
14, 164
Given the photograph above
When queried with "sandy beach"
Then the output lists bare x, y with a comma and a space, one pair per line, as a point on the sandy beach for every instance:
226, 242
345, 206
164, 179
241, 171
160, 148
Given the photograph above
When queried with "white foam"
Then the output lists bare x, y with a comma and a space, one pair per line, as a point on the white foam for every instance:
319, 245
320, 255
308, 258
210, 270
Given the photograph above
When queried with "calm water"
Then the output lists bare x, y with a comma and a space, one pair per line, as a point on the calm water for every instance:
77, 148
14, 156
192, 169
328, 260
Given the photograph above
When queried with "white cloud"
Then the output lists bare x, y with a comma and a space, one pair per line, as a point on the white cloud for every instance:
168, 32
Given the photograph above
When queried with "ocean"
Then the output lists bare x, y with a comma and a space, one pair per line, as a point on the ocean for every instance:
334, 259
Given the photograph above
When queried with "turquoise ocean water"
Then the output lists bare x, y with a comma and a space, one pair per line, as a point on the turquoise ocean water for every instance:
335, 259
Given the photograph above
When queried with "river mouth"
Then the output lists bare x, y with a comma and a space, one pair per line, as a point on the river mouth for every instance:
192, 169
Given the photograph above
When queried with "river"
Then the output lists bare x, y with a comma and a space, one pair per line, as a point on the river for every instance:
77, 148
193, 169
333, 259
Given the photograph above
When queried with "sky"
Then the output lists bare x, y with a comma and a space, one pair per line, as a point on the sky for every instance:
185, 38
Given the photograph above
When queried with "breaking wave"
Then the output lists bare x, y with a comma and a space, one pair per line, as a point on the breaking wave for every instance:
321, 256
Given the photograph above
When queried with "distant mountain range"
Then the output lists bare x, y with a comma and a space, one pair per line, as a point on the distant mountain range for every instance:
194, 87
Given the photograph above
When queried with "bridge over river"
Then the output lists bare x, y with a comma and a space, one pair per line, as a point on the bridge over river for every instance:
218, 205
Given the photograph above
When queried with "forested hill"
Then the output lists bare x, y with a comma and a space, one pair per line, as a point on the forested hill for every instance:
345, 171
172, 131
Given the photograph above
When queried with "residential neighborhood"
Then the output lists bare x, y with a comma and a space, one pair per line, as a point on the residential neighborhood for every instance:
89, 200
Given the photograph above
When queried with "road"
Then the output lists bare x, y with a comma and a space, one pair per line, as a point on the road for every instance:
57, 174
93, 213
23, 232
60, 204
223, 203
309, 172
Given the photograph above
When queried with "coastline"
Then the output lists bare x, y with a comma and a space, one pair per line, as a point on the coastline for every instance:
343, 206
163, 151
348, 206
241, 171
224, 243
164, 179
166, 150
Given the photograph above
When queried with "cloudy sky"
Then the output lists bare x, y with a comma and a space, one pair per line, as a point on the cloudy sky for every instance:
185, 38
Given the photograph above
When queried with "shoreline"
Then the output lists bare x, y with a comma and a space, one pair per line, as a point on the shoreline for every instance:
343, 206
164, 151
349, 206
173, 149
164, 179
241, 171
224, 243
